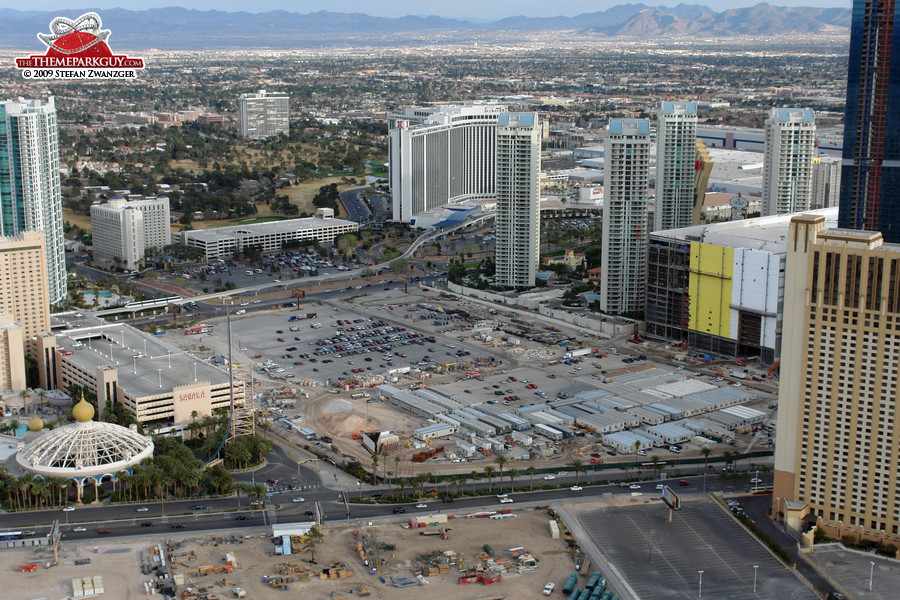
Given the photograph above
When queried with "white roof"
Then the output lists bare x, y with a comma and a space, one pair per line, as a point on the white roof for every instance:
85, 449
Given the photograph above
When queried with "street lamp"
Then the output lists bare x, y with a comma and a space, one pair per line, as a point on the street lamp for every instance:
700, 588
871, 573
755, 567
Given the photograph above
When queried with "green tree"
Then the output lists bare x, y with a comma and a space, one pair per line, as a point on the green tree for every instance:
489, 473
311, 541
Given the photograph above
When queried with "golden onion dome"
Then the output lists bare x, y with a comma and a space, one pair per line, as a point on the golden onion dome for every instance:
83, 411
35, 424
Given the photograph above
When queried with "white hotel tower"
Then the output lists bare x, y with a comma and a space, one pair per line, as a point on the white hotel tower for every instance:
676, 152
623, 281
788, 171
518, 222
30, 195
441, 155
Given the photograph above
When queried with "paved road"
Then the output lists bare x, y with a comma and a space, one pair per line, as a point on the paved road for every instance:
357, 210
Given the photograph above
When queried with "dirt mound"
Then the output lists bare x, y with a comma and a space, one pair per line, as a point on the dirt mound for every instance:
338, 418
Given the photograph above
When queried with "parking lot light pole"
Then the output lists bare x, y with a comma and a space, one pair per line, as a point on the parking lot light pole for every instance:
700, 588
755, 567
871, 573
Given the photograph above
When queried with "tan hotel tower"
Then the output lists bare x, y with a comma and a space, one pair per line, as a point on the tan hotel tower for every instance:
837, 449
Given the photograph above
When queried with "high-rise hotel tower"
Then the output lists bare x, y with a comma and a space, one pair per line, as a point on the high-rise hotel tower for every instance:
30, 195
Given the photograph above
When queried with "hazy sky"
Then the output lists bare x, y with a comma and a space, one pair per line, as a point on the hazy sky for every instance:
474, 9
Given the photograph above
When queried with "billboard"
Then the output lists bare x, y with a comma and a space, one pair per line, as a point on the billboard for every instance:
671, 498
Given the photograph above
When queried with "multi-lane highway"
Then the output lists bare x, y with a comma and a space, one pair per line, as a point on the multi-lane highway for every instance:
223, 513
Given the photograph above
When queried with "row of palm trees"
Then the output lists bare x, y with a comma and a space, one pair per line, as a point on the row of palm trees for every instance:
490, 472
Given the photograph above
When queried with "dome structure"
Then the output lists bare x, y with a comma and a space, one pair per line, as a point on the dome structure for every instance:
86, 450
35, 424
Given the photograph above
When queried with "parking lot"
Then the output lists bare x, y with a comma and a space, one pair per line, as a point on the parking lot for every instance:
272, 268
663, 560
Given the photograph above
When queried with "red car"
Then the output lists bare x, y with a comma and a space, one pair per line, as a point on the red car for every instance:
104, 531
257, 356
511, 378
280, 339
684, 482
531, 386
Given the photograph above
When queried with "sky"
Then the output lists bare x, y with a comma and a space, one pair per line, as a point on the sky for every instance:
462, 9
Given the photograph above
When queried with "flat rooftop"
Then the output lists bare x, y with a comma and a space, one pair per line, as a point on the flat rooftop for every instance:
272, 227
762, 233
147, 364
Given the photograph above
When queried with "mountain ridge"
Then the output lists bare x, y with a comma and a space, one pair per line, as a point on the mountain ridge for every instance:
176, 28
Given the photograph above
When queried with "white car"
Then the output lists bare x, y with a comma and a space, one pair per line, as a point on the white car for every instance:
634, 486
575, 488
548, 589
240, 312
298, 499
505, 500
660, 486
142, 509
80, 529
502, 495
69, 509
756, 480
421, 506
549, 477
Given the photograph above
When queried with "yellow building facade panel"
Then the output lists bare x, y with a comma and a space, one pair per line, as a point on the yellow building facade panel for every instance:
710, 289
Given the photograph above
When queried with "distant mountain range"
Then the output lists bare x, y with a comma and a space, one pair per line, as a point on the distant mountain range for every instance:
184, 29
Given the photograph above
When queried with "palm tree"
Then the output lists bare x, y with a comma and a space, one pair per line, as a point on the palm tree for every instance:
636, 446
238, 488
705, 451
656, 467
374, 469
501, 462
531, 471
489, 473
512, 473
577, 465
397, 462
474, 476
384, 456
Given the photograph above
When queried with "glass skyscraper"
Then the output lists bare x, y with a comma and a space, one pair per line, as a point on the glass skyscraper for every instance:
30, 195
870, 175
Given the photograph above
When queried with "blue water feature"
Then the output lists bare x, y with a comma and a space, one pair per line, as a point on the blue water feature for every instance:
21, 430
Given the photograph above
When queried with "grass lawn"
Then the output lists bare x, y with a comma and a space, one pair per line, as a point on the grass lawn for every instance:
303, 194
82, 221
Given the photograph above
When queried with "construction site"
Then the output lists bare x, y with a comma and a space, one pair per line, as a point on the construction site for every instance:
446, 553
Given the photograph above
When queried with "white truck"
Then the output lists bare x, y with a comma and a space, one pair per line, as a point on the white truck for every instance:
578, 352
239, 592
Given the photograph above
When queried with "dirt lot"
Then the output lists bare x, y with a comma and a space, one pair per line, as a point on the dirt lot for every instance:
118, 562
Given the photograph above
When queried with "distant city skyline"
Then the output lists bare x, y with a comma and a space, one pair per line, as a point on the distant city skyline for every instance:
465, 9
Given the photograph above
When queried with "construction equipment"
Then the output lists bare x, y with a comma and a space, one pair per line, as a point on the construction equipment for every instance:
26, 568
444, 533
775, 366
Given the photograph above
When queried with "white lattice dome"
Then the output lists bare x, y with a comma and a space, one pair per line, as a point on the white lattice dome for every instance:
85, 449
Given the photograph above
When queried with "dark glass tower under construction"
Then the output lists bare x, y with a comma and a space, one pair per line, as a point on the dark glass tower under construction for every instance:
870, 176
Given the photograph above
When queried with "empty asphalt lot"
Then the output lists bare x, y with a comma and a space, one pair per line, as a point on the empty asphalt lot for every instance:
662, 560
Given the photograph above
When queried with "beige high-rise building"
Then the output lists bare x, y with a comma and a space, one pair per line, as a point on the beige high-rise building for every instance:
24, 291
838, 444
12, 359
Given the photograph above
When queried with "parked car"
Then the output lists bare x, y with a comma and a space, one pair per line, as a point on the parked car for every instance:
548, 589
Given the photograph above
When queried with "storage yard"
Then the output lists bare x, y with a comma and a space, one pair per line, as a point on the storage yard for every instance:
512, 557
426, 371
